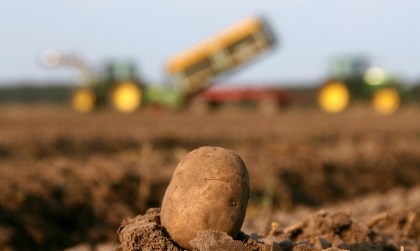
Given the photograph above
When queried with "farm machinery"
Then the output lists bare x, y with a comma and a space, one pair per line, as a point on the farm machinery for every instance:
353, 79
118, 85
194, 70
190, 72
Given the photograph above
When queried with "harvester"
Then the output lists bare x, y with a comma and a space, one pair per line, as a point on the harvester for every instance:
352, 79
190, 71
196, 69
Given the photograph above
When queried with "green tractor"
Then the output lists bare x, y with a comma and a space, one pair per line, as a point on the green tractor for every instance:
352, 79
117, 86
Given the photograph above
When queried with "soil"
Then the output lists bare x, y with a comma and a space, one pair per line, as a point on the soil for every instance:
318, 182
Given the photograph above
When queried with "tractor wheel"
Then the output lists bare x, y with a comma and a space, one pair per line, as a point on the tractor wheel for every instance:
126, 97
386, 100
83, 100
333, 97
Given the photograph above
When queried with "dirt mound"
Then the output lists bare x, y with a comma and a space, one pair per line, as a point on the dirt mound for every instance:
144, 232
320, 231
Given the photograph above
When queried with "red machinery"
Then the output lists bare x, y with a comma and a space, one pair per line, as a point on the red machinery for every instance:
266, 99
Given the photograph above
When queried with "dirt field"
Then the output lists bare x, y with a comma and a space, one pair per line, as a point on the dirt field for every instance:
350, 181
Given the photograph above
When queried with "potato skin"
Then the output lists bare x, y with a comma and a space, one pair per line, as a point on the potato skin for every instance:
209, 190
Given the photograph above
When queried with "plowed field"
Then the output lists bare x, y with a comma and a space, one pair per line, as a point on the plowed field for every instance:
348, 181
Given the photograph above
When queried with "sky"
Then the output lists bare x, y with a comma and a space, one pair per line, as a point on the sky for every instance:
149, 32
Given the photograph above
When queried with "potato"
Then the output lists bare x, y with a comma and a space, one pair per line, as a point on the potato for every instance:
209, 190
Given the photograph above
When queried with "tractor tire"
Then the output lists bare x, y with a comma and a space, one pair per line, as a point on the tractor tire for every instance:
386, 100
126, 97
333, 97
83, 100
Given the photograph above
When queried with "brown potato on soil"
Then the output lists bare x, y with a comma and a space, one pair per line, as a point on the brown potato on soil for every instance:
209, 190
